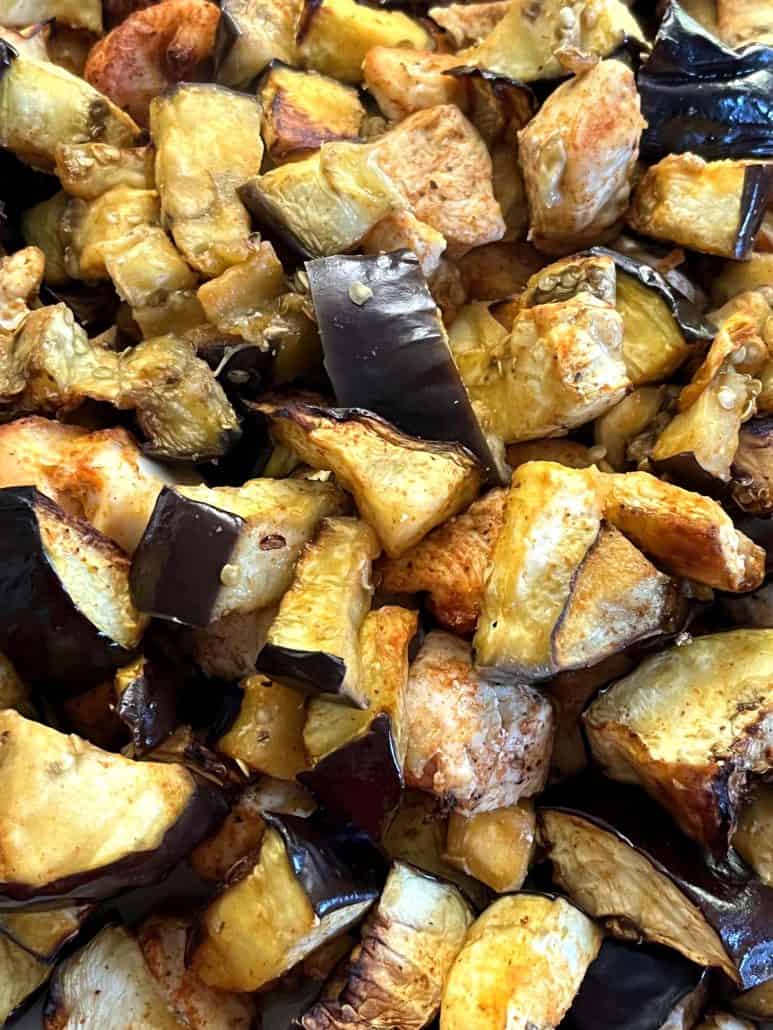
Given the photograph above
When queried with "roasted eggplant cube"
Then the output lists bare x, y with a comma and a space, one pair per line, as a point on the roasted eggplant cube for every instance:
87, 170
303, 887
209, 223
267, 735
403, 487
251, 34
631, 986
575, 602
715, 207
335, 36
44, 934
312, 644
108, 984
471, 743
685, 533
21, 974
716, 693
209, 552
162, 940
523, 961
88, 226
121, 823
560, 366
395, 975
753, 839
303, 110
357, 757
523, 44
380, 329
450, 564
496, 847
620, 857
43, 105
41, 226
67, 618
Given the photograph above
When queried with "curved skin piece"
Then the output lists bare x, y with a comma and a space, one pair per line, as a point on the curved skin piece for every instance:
152, 49
578, 156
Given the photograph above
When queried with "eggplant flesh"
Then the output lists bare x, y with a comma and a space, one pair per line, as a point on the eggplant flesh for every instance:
67, 618
120, 823
753, 839
44, 934
395, 975
21, 974
619, 856
372, 348
702, 97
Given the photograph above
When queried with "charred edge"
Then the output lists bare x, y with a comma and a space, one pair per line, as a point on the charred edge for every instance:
205, 809
312, 672
689, 319
362, 780
757, 185
176, 569
227, 35
7, 56
497, 81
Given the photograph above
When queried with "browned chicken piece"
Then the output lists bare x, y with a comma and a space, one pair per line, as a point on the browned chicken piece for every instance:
152, 49
469, 23
578, 156
404, 81
439, 163
473, 744
451, 564
401, 229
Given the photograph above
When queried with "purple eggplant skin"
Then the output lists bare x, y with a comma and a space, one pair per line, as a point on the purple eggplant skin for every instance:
312, 672
148, 706
702, 97
737, 906
227, 34
632, 987
175, 571
205, 811
395, 337
336, 863
361, 781
757, 187
42, 631
289, 249
694, 326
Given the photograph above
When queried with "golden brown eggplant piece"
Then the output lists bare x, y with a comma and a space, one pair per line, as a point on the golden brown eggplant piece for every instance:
715, 207
644, 412
79, 14
267, 735
88, 225
739, 276
471, 743
42, 105
87, 170
180, 406
522, 964
559, 367
529, 42
469, 23
21, 974
496, 847
251, 34
691, 725
303, 110
153, 49
335, 35
395, 975
146, 267
686, 533
44, 933
403, 487
41, 227
197, 180
578, 156
451, 564
573, 603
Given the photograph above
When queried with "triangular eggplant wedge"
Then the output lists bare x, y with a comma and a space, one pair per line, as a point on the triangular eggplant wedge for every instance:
312, 644
120, 823
403, 487
691, 725
357, 757
305, 884
522, 963
395, 975
619, 855
67, 618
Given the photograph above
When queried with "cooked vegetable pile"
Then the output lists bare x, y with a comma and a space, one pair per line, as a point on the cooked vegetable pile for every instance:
386, 514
